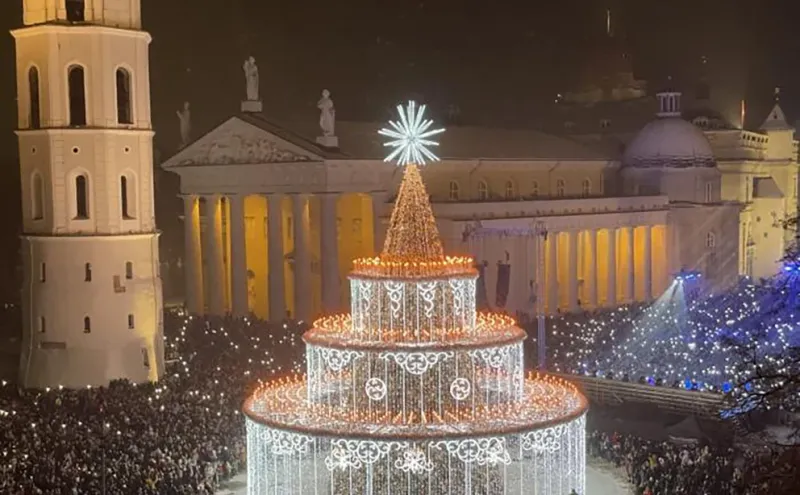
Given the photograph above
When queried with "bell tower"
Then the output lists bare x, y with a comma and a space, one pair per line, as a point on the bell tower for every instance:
91, 294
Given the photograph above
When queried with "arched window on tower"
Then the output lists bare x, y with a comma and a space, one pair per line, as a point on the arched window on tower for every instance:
709, 192
586, 188
76, 10
37, 196
454, 190
123, 195
483, 190
87, 324
510, 192
124, 107
34, 121
81, 197
561, 188
77, 96
127, 196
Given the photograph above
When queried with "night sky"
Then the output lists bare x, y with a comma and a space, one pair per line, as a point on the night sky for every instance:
500, 65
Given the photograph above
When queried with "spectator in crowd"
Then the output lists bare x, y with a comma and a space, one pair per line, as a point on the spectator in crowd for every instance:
667, 468
183, 435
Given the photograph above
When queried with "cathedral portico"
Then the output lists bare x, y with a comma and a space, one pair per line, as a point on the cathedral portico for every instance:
617, 227
262, 253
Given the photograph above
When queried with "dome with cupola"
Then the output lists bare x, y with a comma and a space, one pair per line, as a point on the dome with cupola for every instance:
669, 141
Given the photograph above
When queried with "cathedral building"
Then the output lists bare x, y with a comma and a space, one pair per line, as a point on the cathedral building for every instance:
273, 214
91, 294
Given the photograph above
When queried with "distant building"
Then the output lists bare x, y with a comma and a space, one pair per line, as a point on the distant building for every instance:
91, 293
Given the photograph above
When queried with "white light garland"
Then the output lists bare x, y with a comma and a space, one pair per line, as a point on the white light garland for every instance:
375, 388
337, 359
414, 461
316, 464
494, 357
460, 388
481, 451
416, 363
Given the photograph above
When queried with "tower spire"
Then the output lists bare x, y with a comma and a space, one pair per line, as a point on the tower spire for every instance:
776, 120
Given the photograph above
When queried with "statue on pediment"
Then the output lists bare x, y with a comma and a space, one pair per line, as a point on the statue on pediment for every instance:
251, 76
327, 114
185, 118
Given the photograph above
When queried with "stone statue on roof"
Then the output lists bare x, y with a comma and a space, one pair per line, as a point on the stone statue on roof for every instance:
185, 118
327, 114
251, 76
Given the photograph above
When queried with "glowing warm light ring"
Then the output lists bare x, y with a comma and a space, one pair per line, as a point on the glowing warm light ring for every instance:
382, 268
342, 323
548, 402
498, 337
492, 329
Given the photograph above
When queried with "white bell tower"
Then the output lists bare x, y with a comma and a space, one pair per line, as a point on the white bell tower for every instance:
91, 294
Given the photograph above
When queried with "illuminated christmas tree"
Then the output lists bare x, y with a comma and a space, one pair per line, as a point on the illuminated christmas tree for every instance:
414, 391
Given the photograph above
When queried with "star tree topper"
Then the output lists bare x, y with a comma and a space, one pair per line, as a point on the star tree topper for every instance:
410, 136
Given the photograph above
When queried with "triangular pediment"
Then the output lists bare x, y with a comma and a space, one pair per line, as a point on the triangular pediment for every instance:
776, 120
237, 142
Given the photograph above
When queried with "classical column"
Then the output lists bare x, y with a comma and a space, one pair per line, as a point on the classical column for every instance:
591, 273
277, 294
630, 292
331, 300
238, 256
648, 263
612, 268
193, 261
539, 280
531, 274
378, 232
552, 273
518, 290
302, 258
572, 271
212, 245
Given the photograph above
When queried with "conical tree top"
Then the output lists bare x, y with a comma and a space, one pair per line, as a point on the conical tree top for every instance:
412, 234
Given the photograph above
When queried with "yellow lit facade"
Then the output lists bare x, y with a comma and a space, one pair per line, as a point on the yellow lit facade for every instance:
614, 233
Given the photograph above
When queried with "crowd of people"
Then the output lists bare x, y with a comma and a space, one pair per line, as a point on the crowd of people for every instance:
180, 436
696, 341
185, 434
673, 468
